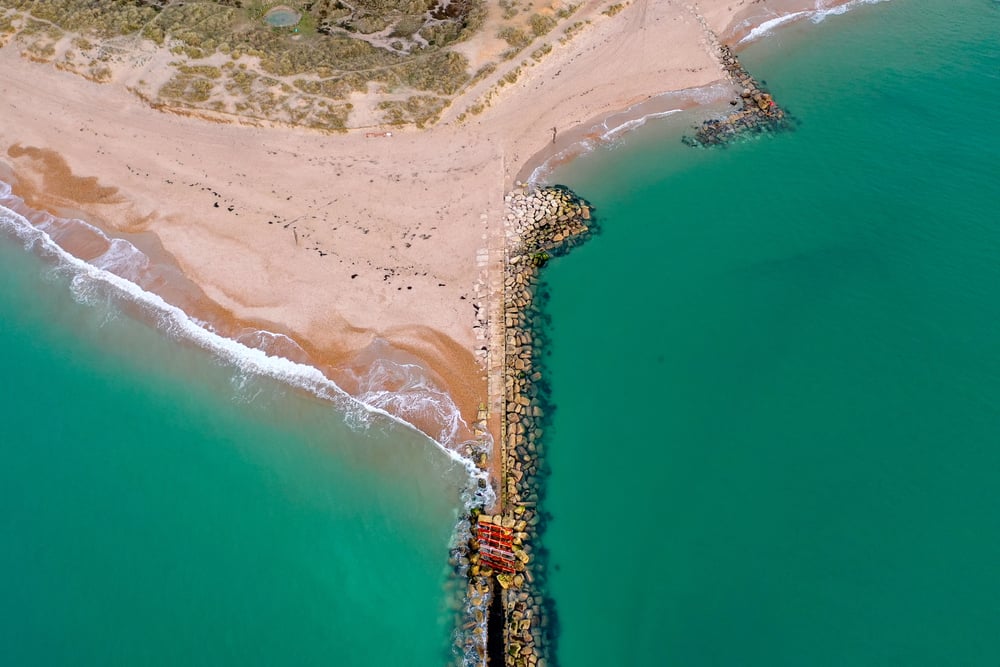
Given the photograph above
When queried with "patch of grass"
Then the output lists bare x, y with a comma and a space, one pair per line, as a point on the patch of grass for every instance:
571, 31
7, 24
104, 19
541, 24
35, 28
439, 72
567, 11
615, 8
313, 67
186, 89
509, 8
515, 37
255, 10
421, 110
335, 89
541, 52
40, 40
206, 71
99, 72
510, 53
407, 26
482, 73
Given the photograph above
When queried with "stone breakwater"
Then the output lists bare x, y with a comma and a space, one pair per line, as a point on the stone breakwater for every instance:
515, 630
758, 111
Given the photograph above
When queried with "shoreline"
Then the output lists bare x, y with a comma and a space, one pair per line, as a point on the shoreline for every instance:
603, 130
456, 362
310, 245
143, 261
502, 548
170, 320
508, 617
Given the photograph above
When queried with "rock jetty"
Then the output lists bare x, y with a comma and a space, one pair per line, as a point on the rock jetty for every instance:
758, 111
540, 223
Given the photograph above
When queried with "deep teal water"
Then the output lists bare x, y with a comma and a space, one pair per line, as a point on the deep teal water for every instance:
158, 508
776, 371
776, 440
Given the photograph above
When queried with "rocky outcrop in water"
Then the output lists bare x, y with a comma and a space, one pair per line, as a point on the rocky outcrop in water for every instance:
758, 111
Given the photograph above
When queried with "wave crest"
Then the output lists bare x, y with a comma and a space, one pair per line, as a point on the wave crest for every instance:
815, 15
117, 272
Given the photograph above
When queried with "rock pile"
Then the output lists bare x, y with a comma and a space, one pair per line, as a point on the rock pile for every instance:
541, 223
758, 111
471, 638
472, 603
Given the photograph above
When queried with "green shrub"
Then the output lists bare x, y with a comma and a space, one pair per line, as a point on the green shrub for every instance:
303, 75
541, 52
614, 9
509, 8
541, 24
515, 37
567, 11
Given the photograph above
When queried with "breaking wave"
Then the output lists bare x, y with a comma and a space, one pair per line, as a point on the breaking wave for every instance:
815, 15
114, 269
402, 388
634, 123
605, 133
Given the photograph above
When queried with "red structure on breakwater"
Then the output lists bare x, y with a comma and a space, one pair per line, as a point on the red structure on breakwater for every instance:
496, 547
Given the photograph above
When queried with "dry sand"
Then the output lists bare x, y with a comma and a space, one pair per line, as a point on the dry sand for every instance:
338, 241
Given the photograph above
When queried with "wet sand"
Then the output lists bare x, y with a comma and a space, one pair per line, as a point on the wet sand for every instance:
350, 245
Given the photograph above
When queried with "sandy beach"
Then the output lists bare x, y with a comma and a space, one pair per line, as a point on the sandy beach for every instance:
352, 245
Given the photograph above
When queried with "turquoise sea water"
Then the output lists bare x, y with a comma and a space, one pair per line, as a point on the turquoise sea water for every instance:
158, 507
777, 370
776, 442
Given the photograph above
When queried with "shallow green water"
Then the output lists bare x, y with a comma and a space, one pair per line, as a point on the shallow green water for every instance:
156, 508
776, 371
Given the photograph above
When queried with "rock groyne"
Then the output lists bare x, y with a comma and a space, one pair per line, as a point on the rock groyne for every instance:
540, 223
758, 111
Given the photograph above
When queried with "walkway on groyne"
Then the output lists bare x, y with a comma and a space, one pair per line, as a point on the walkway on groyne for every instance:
505, 581
537, 223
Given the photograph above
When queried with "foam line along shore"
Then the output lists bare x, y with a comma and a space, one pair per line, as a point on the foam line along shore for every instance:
116, 272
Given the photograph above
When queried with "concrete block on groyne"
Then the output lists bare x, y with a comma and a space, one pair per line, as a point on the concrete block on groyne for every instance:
541, 223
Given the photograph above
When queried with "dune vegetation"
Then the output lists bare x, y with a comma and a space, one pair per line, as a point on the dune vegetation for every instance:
384, 61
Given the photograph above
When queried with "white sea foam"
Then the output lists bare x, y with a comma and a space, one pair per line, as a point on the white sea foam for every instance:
710, 94
404, 389
769, 25
600, 135
100, 279
815, 15
123, 259
582, 147
634, 123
